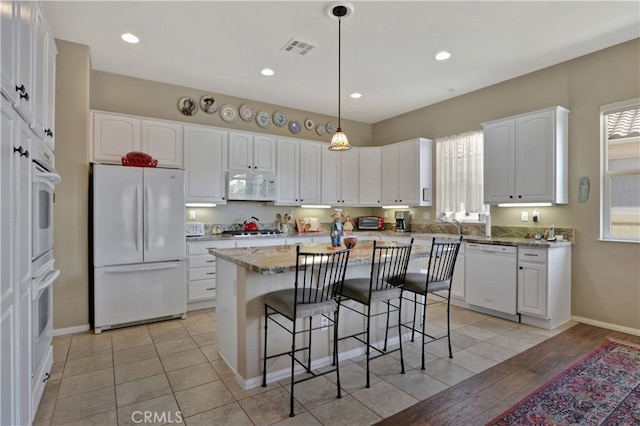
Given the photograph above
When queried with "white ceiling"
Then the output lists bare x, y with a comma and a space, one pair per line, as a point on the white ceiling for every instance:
388, 47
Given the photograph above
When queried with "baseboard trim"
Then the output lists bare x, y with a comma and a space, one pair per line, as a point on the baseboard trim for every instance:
608, 326
71, 330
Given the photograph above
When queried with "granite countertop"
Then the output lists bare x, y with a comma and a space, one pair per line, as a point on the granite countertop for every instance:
281, 259
510, 241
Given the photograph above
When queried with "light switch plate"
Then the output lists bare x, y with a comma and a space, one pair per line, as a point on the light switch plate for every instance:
524, 216
192, 214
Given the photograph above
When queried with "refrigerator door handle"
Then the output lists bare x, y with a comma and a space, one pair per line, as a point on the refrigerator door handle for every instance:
136, 219
145, 209
129, 269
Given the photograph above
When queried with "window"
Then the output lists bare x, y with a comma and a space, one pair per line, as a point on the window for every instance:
620, 170
459, 177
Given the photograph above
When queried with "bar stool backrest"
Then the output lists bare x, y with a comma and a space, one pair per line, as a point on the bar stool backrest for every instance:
389, 265
319, 276
442, 260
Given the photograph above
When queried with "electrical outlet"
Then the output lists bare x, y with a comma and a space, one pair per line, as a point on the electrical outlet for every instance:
426, 215
386, 215
324, 322
536, 216
524, 216
192, 214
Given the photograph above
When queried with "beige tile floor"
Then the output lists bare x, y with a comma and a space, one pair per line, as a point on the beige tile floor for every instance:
170, 371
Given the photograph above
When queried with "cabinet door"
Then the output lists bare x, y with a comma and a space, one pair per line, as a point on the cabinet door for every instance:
389, 173
532, 289
409, 173
288, 164
310, 172
163, 141
114, 136
240, 151
534, 161
40, 58
205, 153
331, 177
8, 52
9, 289
24, 54
369, 177
50, 107
264, 153
499, 162
458, 280
349, 177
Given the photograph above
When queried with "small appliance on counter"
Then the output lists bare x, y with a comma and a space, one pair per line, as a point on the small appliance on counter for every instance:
403, 221
370, 223
194, 229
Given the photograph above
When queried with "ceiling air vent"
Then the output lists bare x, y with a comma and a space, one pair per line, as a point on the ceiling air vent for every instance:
298, 46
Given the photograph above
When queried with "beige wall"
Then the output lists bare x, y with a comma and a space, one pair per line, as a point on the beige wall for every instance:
606, 275
71, 290
118, 93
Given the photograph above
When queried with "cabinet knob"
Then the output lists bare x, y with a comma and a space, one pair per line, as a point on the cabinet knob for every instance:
21, 89
48, 132
510, 196
519, 196
520, 267
19, 150
25, 154
25, 97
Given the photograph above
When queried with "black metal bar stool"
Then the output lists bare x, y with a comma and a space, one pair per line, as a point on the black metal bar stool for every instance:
319, 277
389, 263
436, 281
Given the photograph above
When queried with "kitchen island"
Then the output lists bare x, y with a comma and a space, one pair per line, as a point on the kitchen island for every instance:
246, 275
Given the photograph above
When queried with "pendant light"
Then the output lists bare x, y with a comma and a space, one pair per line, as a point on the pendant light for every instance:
339, 141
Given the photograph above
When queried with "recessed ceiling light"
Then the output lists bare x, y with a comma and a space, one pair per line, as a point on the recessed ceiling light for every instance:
441, 56
356, 95
267, 71
130, 38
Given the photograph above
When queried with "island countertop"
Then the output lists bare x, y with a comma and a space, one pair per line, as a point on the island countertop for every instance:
282, 259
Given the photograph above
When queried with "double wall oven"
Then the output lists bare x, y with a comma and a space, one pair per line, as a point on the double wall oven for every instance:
43, 180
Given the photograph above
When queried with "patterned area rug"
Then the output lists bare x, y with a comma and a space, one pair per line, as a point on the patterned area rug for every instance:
601, 389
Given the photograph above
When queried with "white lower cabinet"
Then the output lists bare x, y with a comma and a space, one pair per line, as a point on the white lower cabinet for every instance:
544, 286
201, 269
457, 283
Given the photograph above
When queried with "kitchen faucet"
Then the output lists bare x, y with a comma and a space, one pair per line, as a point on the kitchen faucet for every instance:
455, 223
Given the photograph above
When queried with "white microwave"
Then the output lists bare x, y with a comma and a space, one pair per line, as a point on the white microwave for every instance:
251, 186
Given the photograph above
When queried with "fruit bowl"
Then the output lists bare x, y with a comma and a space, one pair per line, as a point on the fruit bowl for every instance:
350, 240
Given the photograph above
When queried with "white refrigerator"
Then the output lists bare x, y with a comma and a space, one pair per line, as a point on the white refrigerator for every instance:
139, 245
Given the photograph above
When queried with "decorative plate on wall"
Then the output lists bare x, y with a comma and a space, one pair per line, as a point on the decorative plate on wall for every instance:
229, 113
309, 124
320, 129
331, 127
247, 112
263, 119
188, 106
295, 127
208, 104
279, 118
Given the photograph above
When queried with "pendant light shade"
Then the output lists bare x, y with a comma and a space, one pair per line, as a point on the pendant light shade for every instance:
339, 141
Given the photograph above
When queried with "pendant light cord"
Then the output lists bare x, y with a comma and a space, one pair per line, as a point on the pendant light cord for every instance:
339, 59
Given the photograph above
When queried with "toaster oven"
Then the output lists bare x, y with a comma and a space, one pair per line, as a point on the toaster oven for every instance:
370, 223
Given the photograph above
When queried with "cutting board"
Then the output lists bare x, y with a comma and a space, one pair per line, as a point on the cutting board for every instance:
308, 224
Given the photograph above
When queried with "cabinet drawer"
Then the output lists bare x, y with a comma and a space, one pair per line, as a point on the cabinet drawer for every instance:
202, 290
201, 274
202, 261
202, 247
532, 255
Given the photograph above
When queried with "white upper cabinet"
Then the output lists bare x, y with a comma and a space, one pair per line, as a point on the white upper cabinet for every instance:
114, 135
406, 173
205, 154
369, 177
340, 177
249, 151
23, 88
311, 172
288, 172
9, 54
525, 158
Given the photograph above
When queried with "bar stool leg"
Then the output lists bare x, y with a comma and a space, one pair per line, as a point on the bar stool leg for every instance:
449, 324
264, 365
424, 325
309, 353
400, 333
415, 310
386, 330
293, 363
335, 352
368, 342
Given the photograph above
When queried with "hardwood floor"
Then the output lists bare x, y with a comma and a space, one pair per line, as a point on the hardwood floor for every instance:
486, 395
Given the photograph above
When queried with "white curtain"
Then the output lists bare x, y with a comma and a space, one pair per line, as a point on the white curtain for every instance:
459, 179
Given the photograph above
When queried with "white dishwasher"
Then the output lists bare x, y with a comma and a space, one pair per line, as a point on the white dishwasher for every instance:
491, 276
